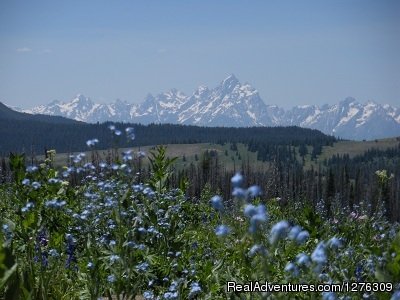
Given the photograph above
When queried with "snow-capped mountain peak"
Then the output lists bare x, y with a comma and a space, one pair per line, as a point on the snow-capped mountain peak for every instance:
232, 103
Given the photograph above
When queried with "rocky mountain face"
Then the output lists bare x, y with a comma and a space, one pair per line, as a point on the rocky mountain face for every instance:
235, 104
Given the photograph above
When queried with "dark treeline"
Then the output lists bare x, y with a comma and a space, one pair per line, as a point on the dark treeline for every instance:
35, 136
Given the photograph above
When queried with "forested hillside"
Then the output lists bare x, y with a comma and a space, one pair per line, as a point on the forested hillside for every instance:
34, 136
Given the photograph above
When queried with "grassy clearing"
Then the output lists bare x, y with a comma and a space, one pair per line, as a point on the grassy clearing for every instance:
186, 154
353, 148
233, 159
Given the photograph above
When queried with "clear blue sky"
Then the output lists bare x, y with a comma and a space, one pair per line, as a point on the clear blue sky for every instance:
293, 52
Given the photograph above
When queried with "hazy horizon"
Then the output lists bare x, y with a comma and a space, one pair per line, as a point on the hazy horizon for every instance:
293, 53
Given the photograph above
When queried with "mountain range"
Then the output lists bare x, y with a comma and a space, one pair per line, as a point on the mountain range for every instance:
233, 104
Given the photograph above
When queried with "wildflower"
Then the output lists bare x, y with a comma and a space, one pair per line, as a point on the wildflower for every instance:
250, 210
302, 237
148, 192
239, 193
294, 232
117, 132
127, 155
257, 249
55, 203
303, 259
36, 185
222, 230
237, 180
253, 191
319, 255
260, 216
359, 271
148, 295
26, 181
114, 258
7, 232
111, 278
27, 207
31, 169
334, 243
142, 230
396, 295
53, 253
170, 295
53, 180
128, 130
70, 249
292, 269
278, 231
92, 143
216, 202
142, 267
90, 265
195, 289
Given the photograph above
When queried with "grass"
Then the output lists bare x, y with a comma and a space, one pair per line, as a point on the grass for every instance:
233, 159
353, 148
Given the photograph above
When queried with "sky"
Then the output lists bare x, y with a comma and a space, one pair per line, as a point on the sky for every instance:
292, 52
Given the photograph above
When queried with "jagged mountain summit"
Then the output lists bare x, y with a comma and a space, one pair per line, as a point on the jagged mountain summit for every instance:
232, 103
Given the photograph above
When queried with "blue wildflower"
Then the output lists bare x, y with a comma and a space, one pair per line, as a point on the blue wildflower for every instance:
32, 169
36, 185
259, 217
142, 267
26, 181
395, 296
278, 231
53, 253
148, 295
92, 143
195, 289
222, 230
114, 258
216, 203
53, 180
254, 191
294, 232
292, 269
55, 203
250, 210
237, 180
257, 249
302, 237
319, 255
70, 250
334, 243
111, 278
303, 259
27, 207
239, 193
170, 296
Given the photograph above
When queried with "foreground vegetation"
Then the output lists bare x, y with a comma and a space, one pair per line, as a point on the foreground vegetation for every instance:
96, 230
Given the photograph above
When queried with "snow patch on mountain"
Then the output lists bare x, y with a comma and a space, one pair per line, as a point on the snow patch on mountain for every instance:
234, 104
